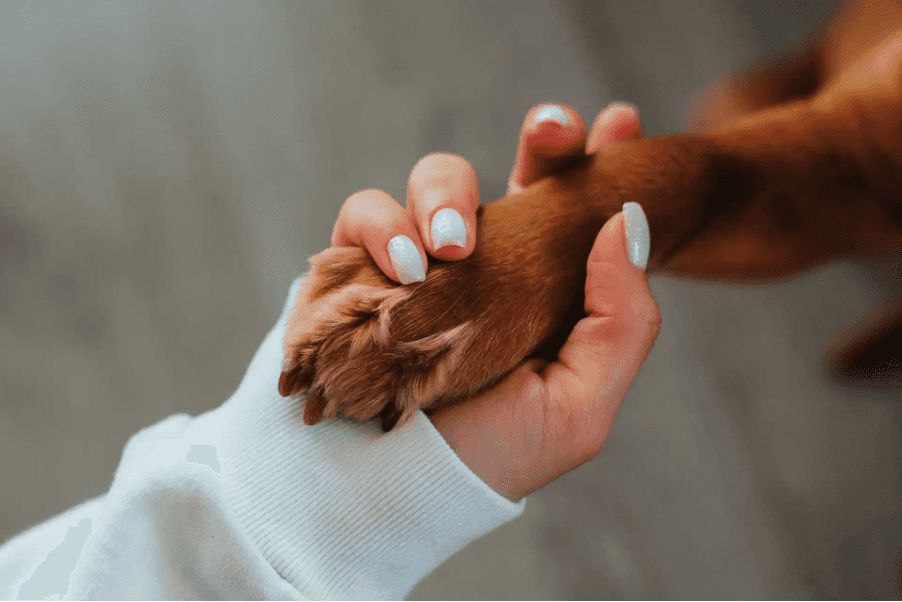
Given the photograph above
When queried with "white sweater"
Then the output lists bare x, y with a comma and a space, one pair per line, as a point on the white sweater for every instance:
247, 502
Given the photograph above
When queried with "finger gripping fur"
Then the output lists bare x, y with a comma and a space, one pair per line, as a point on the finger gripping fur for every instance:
361, 346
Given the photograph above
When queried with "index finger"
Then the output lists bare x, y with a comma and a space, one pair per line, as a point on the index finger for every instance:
618, 121
443, 194
551, 136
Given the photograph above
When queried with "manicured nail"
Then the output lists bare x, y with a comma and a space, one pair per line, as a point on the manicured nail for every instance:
638, 238
406, 259
553, 113
448, 228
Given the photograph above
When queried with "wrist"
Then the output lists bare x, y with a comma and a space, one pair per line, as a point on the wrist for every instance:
477, 448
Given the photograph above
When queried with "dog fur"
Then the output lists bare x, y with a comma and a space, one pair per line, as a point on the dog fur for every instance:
789, 166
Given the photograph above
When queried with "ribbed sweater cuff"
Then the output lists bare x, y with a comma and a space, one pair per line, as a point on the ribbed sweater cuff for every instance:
341, 510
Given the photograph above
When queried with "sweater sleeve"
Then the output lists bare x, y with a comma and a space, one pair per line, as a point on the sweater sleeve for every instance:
247, 502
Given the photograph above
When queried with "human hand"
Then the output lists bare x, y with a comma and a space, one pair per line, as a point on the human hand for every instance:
544, 419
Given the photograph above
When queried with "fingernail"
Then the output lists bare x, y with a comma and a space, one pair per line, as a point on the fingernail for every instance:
448, 228
406, 259
638, 238
553, 113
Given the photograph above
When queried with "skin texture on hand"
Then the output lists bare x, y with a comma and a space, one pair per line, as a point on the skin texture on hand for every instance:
543, 419
546, 419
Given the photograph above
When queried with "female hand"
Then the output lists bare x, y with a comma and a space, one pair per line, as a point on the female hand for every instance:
544, 419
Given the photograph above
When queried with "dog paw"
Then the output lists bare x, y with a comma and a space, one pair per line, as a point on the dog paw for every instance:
360, 349
363, 347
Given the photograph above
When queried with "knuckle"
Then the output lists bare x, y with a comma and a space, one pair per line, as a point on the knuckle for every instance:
604, 287
371, 201
368, 210
432, 160
357, 201
440, 156
604, 274
436, 169
352, 210
652, 321
613, 328
602, 328
366, 194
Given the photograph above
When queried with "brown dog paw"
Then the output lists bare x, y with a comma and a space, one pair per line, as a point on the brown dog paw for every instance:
361, 346
338, 342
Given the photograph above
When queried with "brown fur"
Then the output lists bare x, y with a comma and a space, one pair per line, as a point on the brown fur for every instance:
791, 166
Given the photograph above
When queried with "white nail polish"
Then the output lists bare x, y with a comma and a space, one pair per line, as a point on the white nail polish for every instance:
638, 237
406, 259
553, 113
448, 228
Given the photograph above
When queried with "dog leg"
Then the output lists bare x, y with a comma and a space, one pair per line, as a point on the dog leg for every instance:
783, 191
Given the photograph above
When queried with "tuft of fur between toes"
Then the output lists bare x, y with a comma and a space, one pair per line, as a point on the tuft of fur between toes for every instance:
346, 350
363, 347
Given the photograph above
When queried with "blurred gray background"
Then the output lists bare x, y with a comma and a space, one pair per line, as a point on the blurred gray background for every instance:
167, 167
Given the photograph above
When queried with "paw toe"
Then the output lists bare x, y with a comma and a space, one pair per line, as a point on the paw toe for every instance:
290, 382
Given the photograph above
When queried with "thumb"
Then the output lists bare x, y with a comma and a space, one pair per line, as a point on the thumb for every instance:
606, 349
